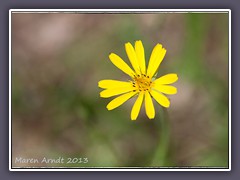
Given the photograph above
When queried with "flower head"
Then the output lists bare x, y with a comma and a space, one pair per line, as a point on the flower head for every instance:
142, 82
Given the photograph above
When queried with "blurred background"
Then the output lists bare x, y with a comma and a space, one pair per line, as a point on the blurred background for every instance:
58, 59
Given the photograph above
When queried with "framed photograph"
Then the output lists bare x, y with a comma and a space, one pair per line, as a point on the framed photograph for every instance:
120, 90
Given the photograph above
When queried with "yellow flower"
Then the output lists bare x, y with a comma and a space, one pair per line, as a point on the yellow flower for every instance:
142, 82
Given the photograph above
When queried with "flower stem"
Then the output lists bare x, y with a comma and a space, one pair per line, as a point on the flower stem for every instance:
161, 152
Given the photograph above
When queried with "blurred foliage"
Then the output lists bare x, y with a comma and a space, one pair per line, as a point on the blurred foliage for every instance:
58, 60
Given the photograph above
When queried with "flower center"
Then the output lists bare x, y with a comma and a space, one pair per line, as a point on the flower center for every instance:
142, 82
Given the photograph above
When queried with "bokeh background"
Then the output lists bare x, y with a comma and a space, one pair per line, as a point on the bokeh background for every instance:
58, 59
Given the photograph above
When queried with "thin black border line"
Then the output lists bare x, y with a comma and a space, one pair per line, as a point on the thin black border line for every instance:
88, 11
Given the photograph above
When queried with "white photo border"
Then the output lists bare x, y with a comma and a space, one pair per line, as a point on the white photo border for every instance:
113, 11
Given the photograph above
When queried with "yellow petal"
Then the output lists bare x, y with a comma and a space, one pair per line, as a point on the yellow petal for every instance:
167, 79
132, 57
120, 100
150, 111
156, 58
166, 89
160, 98
156, 49
108, 83
118, 62
140, 56
116, 91
137, 106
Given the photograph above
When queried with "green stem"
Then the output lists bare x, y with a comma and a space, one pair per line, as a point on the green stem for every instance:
160, 156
